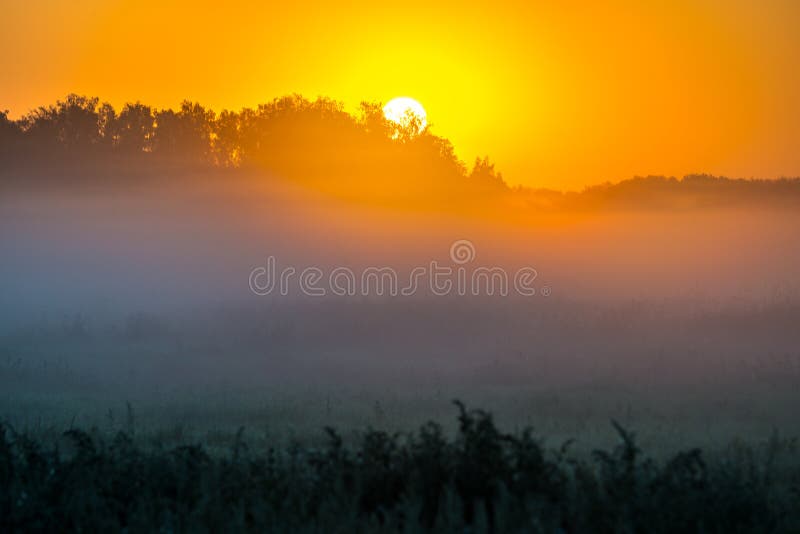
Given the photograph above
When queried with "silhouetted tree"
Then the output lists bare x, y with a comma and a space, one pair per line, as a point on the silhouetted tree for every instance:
8, 128
185, 134
72, 123
485, 177
10, 137
106, 123
373, 119
134, 128
227, 144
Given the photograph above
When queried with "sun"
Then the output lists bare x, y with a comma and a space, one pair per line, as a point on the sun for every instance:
403, 110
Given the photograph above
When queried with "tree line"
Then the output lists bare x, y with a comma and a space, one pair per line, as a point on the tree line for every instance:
318, 141
291, 136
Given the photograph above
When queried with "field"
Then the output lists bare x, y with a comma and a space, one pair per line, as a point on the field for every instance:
146, 425
144, 385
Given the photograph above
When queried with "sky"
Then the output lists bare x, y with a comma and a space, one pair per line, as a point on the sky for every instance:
558, 94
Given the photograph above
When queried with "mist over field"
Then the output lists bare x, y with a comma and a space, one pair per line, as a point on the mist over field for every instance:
188, 299
139, 291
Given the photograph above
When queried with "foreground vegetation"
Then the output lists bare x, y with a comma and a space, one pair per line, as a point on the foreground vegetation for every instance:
480, 478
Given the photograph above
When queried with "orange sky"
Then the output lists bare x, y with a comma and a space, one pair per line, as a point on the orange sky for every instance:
557, 96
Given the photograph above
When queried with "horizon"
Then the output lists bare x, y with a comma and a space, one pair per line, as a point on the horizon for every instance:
559, 97
36, 114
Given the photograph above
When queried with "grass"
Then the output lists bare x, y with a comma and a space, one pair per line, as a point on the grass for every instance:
478, 477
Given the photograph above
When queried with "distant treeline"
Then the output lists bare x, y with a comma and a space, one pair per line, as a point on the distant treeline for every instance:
659, 193
318, 142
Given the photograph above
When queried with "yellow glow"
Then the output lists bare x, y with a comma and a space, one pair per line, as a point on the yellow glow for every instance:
558, 95
403, 110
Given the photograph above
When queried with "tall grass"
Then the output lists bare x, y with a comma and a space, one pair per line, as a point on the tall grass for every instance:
481, 478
